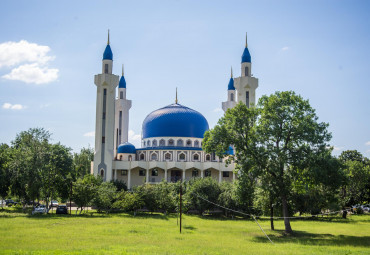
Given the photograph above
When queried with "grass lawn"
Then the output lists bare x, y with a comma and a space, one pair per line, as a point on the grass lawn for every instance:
157, 234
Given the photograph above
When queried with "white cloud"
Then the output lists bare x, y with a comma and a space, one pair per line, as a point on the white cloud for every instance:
90, 134
14, 106
132, 136
15, 53
33, 73
29, 62
337, 148
217, 110
367, 143
285, 48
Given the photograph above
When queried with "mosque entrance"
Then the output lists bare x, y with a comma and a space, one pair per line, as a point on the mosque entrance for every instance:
176, 175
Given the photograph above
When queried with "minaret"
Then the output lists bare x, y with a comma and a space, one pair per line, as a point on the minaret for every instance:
231, 100
106, 84
246, 85
122, 115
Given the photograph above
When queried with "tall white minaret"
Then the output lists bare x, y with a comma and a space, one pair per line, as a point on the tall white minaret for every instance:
231, 95
246, 85
122, 115
106, 84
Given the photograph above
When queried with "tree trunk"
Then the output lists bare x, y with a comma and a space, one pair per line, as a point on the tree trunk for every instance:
272, 216
288, 228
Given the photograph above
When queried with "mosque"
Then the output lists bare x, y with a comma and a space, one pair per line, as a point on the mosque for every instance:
171, 139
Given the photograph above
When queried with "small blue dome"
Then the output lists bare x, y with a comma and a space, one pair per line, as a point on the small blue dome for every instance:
122, 83
126, 148
175, 120
230, 151
246, 58
231, 84
108, 55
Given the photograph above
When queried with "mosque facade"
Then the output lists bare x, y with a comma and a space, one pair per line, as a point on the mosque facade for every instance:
171, 138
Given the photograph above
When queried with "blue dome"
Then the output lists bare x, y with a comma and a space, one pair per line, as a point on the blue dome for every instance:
230, 151
108, 55
175, 120
126, 148
231, 84
122, 83
246, 58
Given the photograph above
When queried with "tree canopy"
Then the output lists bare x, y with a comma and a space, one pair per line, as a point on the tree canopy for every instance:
279, 142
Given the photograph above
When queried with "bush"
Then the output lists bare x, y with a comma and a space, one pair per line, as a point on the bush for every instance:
120, 185
207, 188
128, 202
104, 197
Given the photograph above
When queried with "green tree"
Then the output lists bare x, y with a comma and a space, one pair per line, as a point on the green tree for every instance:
4, 170
82, 161
56, 172
85, 190
105, 195
357, 170
273, 142
128, 202
29, 159
206, 188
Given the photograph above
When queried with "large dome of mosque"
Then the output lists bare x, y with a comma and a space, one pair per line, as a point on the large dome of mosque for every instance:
175, 120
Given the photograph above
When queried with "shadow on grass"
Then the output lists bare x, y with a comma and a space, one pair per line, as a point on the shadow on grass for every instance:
305, 238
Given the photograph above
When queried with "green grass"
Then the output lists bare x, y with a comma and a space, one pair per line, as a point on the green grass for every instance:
157, 234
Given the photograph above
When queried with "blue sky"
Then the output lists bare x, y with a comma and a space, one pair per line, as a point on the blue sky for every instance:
51, 50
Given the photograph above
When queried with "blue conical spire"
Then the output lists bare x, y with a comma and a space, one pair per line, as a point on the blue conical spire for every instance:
231, 82
108, 55
122, 81
246, 57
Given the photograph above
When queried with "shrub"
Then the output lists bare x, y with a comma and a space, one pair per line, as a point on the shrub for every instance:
128, 202
207, 188
104, 197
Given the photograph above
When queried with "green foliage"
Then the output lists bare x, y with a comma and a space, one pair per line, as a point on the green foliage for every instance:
207, 188
120, 185
274, 143
82, 161
166, 194
104, 197
357, 171
128, 201
147, 193
85, 190
4, 170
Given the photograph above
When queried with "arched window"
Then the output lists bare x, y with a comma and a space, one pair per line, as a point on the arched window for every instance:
180, 142
129, 158
154, 143
182, 157
102, 173
196, 144
154, 156
171, 142
120, 157
246, 70
207, 173
167, 156
208, 157
142, 156
144, 143
148, 143
162, 142
196, 157
188, 143
232, 97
